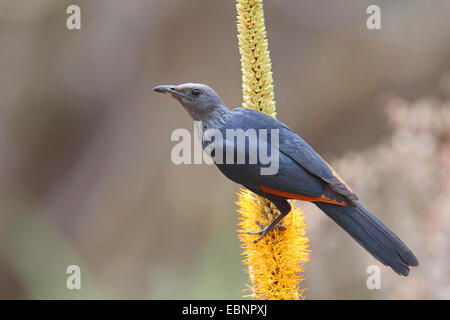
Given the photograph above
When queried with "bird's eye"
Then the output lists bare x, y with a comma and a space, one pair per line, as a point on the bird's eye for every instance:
195, 92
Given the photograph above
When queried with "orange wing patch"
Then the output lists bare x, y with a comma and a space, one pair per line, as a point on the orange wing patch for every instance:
290, 195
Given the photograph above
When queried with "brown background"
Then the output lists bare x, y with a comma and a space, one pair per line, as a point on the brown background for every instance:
85, 170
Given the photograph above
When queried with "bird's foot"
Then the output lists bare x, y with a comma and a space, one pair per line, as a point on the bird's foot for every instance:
265, 230
279, 227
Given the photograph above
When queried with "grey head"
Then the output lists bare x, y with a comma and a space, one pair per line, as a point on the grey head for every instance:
200, 101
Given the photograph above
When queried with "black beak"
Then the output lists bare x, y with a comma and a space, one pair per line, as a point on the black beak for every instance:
164, 89
170, 90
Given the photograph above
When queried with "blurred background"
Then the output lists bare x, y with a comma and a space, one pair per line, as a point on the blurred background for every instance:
85, 170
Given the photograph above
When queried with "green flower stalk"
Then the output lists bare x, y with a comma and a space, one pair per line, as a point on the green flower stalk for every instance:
257, 88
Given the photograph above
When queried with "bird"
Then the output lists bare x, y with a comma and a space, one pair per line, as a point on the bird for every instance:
302, 174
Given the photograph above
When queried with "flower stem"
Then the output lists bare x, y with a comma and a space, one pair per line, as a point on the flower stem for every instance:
275, 263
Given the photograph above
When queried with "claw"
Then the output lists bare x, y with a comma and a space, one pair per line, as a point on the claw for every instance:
259, 224
265, 230
255, 232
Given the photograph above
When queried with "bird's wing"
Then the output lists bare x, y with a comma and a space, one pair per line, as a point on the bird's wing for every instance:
301, 152
293, 146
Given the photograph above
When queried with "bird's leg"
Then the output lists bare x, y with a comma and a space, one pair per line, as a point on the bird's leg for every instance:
279, 226
270, 227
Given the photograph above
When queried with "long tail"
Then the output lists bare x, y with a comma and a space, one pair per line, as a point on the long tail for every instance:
373, 235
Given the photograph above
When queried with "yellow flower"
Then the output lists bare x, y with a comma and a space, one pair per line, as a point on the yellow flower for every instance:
276, 262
